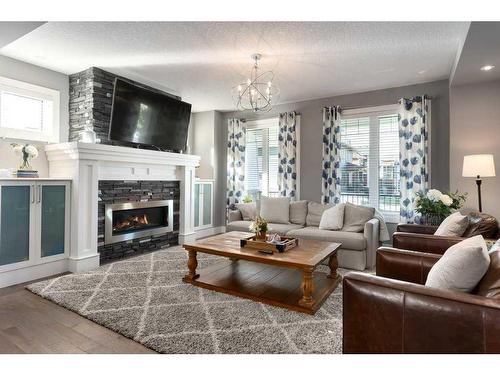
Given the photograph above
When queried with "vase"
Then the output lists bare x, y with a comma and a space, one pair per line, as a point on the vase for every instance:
432, 219
261, 236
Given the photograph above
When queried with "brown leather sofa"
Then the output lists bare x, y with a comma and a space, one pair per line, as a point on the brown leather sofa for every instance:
421, 237
394, 312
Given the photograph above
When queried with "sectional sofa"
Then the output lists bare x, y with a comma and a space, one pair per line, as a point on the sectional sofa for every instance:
359, 244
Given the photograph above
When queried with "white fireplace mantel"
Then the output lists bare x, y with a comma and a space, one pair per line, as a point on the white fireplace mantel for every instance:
85, 164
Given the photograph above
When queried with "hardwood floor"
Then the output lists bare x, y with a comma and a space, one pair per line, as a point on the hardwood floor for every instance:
31, 324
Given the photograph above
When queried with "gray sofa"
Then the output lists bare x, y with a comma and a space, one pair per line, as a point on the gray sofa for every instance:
358, 248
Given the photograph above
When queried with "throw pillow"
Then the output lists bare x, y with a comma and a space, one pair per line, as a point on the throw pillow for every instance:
461, 267
355, 217
275, 210
333, 218
298, 212
248, 210
314, 213
454, 225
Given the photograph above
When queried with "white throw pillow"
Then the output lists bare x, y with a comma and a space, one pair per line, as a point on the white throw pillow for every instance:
461, 267
333, 218
275, 210
248, 210
454, 225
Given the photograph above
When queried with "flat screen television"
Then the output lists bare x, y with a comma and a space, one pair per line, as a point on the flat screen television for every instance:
147, 117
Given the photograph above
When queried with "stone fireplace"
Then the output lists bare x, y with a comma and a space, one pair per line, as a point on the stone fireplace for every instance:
135, 217
105, 174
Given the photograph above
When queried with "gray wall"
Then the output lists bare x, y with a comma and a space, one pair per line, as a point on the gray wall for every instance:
206, 138
475, 129
36, 75
311, 130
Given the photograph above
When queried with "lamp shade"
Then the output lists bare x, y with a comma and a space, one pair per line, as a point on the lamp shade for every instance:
478, 165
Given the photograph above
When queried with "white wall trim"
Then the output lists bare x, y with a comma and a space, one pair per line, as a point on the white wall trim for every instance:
210, 231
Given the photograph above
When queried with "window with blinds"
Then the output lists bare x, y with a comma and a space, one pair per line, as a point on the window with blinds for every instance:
28, 112
369, 160
261, 160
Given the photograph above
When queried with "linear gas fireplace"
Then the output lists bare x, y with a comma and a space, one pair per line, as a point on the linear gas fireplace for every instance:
126, 221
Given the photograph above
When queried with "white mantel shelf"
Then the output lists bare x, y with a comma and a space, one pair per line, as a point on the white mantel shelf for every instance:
91, 151
86, 164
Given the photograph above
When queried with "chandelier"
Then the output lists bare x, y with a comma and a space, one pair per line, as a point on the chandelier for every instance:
258, 93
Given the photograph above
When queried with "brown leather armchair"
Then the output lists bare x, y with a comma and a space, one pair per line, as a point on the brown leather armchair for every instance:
394, 312
421, 237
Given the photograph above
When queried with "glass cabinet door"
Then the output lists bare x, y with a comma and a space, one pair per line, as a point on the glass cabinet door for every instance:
196, 205
14, 223
207, 204
53, 218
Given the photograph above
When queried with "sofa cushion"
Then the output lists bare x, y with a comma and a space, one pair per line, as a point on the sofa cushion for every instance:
461, 267
349, 240
275, 210
355, 217
333, 218
298, 212
314, 213
248, 210
243, 226
454, 225
489, 286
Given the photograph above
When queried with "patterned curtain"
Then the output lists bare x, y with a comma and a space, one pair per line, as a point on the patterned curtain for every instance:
235, 161
287, 154
330, 179
413, 119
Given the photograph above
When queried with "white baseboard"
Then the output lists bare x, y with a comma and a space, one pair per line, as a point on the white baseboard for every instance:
38, 271
83, 264
210, 232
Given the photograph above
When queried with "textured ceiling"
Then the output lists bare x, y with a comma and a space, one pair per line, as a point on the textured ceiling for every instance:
202, 61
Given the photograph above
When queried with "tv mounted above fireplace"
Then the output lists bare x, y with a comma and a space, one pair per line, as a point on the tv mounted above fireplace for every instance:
148, 117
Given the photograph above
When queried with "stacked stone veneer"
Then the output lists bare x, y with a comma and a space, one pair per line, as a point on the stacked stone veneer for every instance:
90, 102
136, 191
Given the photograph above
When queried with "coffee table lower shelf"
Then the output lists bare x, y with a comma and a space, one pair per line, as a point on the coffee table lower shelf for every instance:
264, 283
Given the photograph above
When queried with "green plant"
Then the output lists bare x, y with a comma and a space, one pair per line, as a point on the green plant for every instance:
258, 226
247, 199
436, 203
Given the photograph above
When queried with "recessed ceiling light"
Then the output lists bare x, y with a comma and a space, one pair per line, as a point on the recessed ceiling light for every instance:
487, 67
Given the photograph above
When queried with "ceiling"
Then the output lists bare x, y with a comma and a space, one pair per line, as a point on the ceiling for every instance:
481, 47
201, 61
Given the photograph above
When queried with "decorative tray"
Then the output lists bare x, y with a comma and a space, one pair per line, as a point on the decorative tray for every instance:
285, 244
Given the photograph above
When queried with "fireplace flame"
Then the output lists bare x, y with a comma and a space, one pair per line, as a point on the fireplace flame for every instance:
132, 222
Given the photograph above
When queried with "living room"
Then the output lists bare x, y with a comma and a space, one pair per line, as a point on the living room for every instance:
290, 185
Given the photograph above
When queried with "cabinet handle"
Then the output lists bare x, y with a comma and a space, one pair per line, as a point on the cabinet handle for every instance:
39, 194
32, 189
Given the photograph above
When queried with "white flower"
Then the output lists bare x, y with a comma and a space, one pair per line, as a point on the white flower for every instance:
31, 151
434, 195
18, 149
446, 199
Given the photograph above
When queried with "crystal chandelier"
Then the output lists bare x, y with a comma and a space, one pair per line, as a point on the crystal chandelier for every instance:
258, 93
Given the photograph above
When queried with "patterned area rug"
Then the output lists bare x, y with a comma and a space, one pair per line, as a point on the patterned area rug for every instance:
143, 298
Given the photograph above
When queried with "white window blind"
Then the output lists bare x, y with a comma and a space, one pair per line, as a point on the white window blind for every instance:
261, 160
369, 160
28, 111
354, 157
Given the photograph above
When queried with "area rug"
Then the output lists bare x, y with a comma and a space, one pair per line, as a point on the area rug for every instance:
143, 298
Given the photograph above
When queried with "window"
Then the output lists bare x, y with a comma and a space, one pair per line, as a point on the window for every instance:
28, 112
261, 158
369, 158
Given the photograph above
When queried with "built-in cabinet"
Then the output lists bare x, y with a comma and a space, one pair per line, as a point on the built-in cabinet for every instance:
203, 204
34, 228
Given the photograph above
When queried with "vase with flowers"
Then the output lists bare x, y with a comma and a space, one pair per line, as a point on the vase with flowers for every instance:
435, 206
27, 152
259, 227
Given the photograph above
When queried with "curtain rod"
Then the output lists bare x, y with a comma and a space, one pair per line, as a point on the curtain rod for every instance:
266, 117
365, 106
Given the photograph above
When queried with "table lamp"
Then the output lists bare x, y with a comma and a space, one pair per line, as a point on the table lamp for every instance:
478, 166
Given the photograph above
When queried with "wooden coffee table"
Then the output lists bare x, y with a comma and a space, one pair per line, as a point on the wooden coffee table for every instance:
282, 279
